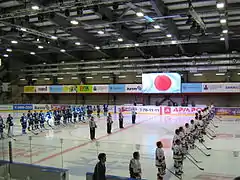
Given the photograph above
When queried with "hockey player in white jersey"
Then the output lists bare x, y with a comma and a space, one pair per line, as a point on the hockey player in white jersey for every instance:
175, 137
200, 129
193, 134
187, 134
183, 140
178, 158
160, 161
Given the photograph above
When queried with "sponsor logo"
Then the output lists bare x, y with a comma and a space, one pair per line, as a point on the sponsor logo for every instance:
167, 110
22, 107
138, 88
185, 109
100, 88
42, 89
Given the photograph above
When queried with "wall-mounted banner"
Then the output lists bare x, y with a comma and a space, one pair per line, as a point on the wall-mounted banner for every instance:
172, 110
42, 89
22, 107
140, 109
116, 88
69, 89
6, 107
100, 88
56, 89
29, 89
133, 88
221, 87
84, 88
191, 87
161, 83
41, 107
227, 111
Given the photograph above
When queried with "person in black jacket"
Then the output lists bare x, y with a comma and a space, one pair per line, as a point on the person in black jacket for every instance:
100, 168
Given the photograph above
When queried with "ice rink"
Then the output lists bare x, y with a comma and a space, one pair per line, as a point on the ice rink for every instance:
79, 154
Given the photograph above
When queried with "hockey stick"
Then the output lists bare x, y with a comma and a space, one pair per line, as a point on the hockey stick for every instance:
211, 138
202, 151
9, 136
200, 168
208, 148
49, 125
211, 130
193, 158
174, 174
213, 124
35, 133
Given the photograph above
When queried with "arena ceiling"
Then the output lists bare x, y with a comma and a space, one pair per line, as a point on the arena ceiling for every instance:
107, 36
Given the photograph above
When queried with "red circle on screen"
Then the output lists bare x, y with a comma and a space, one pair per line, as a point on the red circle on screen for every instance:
162, 82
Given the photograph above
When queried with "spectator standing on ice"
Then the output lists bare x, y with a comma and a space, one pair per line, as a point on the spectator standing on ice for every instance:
135, 166
100, 168
92, 126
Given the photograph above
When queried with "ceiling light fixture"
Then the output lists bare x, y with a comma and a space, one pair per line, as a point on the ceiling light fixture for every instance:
105, 77
220, 74
35, 7
5, 55
222, 39
100, 32
120, 39
40, 47
174, 42
156, 27
97, 47
169, 35
89, 77
74, 77
60, 78
38, 39
77, 43
22, 79
74, 22
34, 79
220, 5
139, 14
23, 29
14, 42
54, 37
225, 31
223, 21
9, 50
198, 74
136, 44
46, 79
63, 50
121, 77
32, 53
138, 76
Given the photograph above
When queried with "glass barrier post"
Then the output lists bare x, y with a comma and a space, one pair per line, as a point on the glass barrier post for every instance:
10, 151
30, 150
3, 150
61, 141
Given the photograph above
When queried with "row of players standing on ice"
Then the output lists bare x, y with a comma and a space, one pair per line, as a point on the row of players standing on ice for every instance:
184, 139
34, 120
93, 125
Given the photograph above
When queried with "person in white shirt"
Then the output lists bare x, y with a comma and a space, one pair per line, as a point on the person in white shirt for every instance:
160, 161
176, 137
92, 126
135, 166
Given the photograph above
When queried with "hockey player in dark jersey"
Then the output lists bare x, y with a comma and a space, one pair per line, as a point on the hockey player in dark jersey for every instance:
23, 122
2, 126
75, 116
36, 120
30, 120
42, 120
10, 125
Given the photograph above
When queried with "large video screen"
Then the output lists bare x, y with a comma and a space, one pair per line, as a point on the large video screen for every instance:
161, 83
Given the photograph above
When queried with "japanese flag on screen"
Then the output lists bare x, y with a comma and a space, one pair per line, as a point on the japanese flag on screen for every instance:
161, 83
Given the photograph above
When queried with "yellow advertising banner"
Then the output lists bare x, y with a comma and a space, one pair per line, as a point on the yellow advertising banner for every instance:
69, 89
84, 88
29, 89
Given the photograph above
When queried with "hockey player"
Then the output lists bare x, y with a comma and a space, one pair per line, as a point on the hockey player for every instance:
98, 111
105, 109
2, 126
200, 129
10, 124
120, 120
178, 157
135, 169
176, 137
187, 134
92, 126
183, 140
69, 113
134, 113
30, 120
109, 123
65, 117
42, 120
160, 161
23, 122
36, 120
193, 134
75, 116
